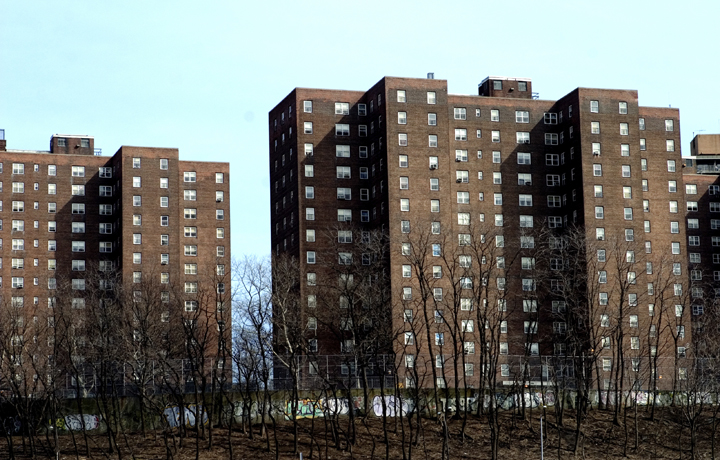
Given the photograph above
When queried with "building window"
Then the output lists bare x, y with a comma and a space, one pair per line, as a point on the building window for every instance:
522, 137
341, 108
432, 140
431, 97
432, 119
522, 116
524, 158
402, 118
342, 129
623, 107
461, 134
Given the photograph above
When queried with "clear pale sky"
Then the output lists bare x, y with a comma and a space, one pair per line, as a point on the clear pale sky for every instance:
202, 76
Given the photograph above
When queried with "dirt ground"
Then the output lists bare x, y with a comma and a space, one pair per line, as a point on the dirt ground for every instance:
520, 439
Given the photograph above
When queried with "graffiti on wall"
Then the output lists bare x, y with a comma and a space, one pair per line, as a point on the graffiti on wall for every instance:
530, 399
242, 411
12, 425
468, 403
74, 422
172, 415
308, 408
641, 397
391, 405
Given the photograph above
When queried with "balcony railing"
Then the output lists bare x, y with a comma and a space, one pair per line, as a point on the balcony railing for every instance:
708, 169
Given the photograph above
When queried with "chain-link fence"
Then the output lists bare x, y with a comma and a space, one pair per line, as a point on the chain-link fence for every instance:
150, 377
388, 371
463, 371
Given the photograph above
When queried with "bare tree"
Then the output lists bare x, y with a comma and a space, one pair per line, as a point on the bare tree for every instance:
252, 346
290, 327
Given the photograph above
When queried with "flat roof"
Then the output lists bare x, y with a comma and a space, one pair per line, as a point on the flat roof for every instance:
85, 136
504, 78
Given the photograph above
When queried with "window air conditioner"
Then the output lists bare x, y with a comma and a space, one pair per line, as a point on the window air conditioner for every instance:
528, 183
458, 181
527, 141
433, 166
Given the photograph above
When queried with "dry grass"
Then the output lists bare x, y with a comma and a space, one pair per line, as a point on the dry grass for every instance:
520, 439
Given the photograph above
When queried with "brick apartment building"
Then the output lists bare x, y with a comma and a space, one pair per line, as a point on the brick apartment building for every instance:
72, 216
701, 174
477, 196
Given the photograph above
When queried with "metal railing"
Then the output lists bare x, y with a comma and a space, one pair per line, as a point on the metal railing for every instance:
126, 379
708, 169
563, 372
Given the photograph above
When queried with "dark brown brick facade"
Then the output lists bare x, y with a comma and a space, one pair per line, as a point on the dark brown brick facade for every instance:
82, 212
550, 174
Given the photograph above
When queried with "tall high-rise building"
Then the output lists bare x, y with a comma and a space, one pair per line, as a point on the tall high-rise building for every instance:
140, 223
701, 175
515, 225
